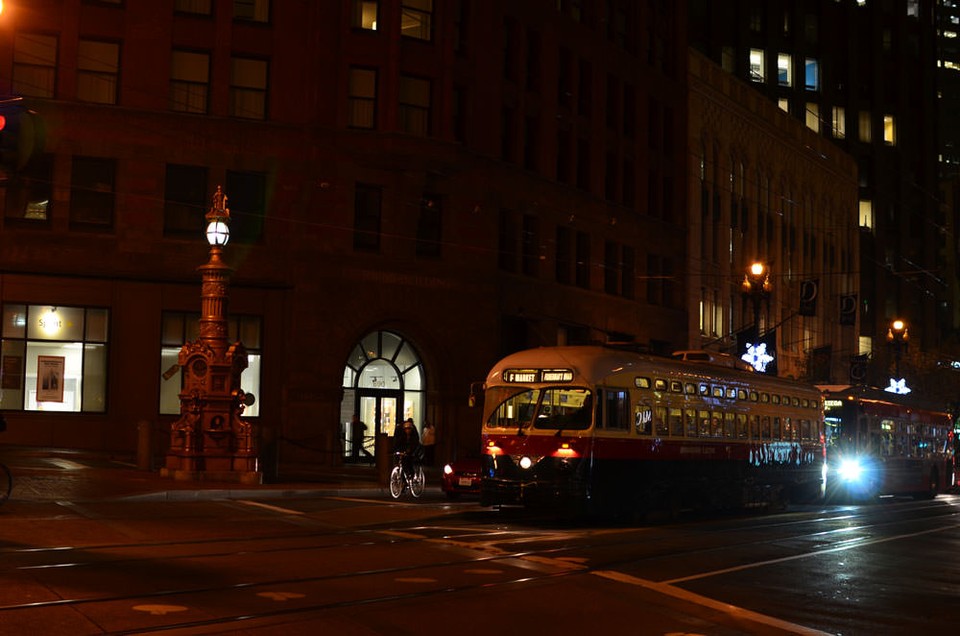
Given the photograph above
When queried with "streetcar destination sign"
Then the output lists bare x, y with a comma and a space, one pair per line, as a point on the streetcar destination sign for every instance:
531, 376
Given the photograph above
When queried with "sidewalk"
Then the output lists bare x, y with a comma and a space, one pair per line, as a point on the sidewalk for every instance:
56, 474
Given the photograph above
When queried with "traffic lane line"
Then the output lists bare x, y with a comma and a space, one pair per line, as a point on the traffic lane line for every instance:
733, 611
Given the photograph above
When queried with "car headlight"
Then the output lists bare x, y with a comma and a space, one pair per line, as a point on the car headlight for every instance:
850, 469
447, 469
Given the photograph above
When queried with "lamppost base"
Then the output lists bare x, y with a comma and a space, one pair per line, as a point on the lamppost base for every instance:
250, 477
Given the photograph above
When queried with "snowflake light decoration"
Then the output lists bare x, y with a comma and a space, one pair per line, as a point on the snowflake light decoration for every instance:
898, 386
757, 356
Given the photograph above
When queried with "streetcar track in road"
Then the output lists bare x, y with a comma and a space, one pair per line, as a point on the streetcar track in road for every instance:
549, 567
545, 562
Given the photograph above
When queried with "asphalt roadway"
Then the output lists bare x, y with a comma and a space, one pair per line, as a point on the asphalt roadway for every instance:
56, 474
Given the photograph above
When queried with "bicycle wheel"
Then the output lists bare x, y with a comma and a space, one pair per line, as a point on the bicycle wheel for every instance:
6, 483
417, 482
396, 482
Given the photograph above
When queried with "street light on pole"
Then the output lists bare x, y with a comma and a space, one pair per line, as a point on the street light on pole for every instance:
752, 349
898, 336
756, 287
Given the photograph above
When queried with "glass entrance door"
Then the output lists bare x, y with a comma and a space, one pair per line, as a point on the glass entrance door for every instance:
378, 410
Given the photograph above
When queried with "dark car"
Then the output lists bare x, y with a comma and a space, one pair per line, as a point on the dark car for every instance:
461, 477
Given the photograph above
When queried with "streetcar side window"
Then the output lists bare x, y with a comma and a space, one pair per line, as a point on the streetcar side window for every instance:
776, 399
787, 428
660, 420
676, 386
716, 424
704, 419
728, 424
676, 421
643, 419
765, 427
741, 426
616, 409
775, 433
755, 427
690, 420
690, 388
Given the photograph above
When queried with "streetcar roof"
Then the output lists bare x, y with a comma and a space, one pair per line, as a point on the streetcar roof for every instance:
594, 364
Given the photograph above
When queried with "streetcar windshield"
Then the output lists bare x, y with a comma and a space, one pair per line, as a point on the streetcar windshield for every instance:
565, 408
555, 408
514, 408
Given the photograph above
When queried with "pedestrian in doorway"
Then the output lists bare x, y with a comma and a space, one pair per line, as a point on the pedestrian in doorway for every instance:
428, 438
358, 431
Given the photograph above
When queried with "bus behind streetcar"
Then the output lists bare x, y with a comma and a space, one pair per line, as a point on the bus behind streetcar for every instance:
881, 444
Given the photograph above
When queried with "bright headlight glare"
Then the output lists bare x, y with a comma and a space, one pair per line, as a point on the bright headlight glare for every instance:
850, 469
447, 469
525, 462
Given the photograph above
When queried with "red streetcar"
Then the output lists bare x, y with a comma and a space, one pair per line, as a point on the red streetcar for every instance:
603, 430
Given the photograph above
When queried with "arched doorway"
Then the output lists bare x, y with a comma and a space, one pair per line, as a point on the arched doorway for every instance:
383, 384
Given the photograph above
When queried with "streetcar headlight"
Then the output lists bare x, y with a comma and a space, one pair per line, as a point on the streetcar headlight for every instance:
447, 469
526, 462
850, 469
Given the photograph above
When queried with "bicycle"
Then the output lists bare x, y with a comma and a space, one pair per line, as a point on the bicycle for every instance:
400, 481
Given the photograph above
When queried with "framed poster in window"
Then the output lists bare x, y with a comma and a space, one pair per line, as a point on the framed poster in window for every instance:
50, 378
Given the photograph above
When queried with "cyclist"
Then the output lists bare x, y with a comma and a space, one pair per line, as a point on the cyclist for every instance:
407, 443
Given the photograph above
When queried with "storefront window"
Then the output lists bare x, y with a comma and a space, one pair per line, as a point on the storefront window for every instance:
180, 328
54, 358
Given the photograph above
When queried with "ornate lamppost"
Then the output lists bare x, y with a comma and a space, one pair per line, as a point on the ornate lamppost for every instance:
211, 440
898, 336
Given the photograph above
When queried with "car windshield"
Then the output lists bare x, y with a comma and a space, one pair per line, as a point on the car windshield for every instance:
556, 408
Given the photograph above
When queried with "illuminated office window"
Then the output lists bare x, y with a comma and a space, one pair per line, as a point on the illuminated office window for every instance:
813, 117
811, 75
757, 73
889, 130
416, 19
784, 70
839, 122
866, 214
365, 14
